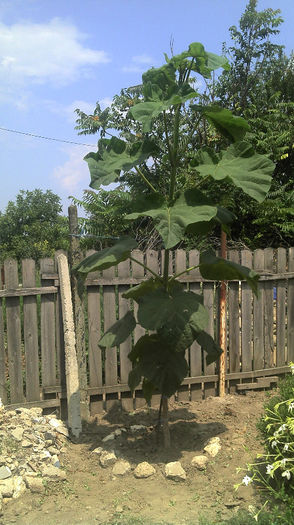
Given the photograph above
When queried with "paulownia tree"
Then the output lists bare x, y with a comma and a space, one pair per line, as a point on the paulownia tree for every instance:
173, 317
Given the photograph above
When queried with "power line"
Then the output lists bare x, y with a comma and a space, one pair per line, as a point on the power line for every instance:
47, 138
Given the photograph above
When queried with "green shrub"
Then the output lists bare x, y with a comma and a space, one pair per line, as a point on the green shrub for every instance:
274, 469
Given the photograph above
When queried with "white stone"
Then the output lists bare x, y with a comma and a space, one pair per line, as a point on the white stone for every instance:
199, 462
138, 428
97, 451
7, 488
5, 472
175, 471
107, 459
17, 433
117, 432
121, 468
34, 484
213, 446
26, 443
19, 487
54, 473
144, 470
110, 437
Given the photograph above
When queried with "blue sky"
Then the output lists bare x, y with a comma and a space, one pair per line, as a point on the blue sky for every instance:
57, 55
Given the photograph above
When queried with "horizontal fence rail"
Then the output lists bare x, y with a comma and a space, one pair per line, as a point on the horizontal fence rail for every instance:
260, 331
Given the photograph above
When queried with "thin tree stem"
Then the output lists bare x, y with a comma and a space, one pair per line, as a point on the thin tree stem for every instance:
145, 179
144, 266
185, 271
164, 419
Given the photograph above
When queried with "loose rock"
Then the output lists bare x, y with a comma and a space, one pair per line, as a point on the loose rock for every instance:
110, 437
213, 446
175, 471
121, 468
144, 470
107, 459
34, 484
5, 472
54, 473
138, 428
199, 462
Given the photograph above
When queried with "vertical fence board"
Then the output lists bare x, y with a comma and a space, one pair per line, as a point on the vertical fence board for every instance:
48, 327
31, 332
138, 273
290, 331
208, 301
60, 351
13, 333
95, 361
246, 316
3, 391
258, 311
281, 309
153, 263
125, 347
109, 310
195, 350
180, 265
234, 320
269, 360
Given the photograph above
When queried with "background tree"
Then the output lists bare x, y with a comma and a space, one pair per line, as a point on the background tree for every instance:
33, 226
259, 85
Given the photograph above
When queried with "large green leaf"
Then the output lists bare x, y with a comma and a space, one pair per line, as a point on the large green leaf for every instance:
172, 221
137, 292
119, 331
246, 169
223, 217
146, 112
156, 361
208, 344
230, 126
218, 269
108, 257
176, 310
105, 166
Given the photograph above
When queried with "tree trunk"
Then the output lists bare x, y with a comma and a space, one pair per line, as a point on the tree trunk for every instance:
164, 419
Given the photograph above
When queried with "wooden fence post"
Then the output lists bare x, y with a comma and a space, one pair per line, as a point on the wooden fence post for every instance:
75, 257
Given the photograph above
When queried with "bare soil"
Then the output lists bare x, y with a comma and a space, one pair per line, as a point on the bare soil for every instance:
92, 495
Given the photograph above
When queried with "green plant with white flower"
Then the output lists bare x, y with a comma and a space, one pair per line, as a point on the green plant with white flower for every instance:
274, 469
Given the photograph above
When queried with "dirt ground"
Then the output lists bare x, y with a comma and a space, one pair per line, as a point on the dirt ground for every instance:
92, 495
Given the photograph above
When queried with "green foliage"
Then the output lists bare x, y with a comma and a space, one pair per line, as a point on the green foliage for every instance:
274, 470
32, 226
174, 316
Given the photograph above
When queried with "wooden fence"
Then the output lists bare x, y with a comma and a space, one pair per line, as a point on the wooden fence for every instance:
260, 332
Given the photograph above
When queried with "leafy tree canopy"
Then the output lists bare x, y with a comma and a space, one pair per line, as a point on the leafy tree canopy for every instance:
33, 226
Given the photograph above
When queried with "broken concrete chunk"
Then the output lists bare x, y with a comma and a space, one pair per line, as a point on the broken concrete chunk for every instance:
107, 459
144, 470
121, 468
175, 471
5, 472
213, 446
199, 462
53, 473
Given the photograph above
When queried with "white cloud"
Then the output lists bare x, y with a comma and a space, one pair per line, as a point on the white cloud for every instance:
53, 52
74, 175
138, 64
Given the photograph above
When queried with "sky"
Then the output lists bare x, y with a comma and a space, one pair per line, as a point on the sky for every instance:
59, 55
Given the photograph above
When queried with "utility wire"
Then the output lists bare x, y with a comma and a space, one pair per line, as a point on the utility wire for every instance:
47, 138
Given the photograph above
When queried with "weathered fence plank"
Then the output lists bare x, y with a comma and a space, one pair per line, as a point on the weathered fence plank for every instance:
13, 333
195, 350
180, 265
269, 360
258, 313
152, 262
246, 316
95, 358
48, 329
234, 318
109, 311
30, 323
290, 310
127, 401
208, 301
138, 272
281, 310
3, 391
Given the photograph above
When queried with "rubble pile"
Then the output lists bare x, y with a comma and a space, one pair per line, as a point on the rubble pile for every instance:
30, 445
